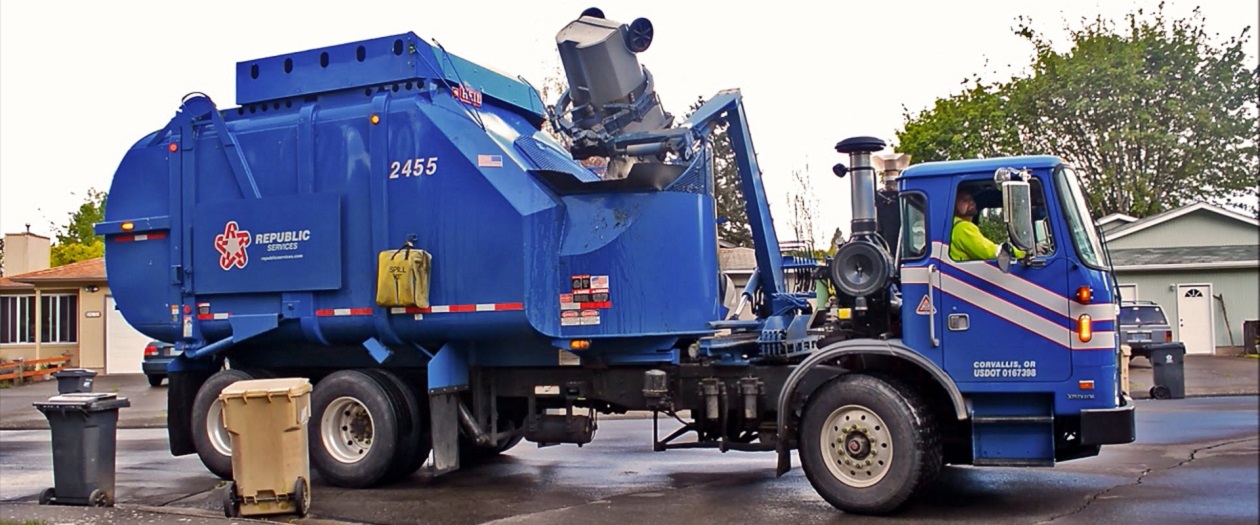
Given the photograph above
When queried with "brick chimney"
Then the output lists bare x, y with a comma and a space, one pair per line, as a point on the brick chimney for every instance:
25, 252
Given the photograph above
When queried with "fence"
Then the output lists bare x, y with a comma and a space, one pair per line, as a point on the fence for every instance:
21, 370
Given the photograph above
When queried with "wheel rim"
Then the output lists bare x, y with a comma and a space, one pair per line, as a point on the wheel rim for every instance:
347, 429
219, 438
856, 445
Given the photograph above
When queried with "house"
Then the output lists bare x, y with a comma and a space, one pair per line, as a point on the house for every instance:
737, 265
1200, 262
1113, 221
45, 312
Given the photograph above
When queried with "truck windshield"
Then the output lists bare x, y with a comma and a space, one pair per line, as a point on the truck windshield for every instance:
1084, 236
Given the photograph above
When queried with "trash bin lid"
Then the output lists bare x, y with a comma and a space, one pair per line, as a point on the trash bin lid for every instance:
285, 386
74, 372
84, 400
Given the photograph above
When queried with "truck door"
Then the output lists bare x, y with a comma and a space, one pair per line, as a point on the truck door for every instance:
1008, 327
920, 273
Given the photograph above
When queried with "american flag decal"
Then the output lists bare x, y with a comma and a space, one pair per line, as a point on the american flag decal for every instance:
490, 161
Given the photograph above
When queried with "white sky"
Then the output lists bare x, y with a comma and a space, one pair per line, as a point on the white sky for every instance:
81, 81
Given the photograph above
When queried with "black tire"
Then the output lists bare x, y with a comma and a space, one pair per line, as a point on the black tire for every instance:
231, 505
885, 421
215, 460
1161, 392
47, 496
301, 497
414, 440
155, 380
365, 417
511, 415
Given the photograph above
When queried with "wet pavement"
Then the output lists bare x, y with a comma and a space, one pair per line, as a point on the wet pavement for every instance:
1196, 460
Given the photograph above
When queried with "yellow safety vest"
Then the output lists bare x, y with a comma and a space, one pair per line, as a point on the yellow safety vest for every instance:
966, 243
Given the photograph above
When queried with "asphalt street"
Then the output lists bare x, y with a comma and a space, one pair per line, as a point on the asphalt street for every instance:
1196, 461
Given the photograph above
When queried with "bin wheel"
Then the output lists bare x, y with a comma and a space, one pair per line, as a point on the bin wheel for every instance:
231, 507
98, 498
301, 497
47, 496
1161, 392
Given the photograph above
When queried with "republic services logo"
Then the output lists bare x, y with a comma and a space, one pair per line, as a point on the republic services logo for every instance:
231, 245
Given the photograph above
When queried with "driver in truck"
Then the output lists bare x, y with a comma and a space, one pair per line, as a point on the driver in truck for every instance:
966, 242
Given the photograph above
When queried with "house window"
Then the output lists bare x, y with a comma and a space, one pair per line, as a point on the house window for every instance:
59, 315
17, 319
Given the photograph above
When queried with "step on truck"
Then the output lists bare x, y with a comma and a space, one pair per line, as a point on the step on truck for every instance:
391, 221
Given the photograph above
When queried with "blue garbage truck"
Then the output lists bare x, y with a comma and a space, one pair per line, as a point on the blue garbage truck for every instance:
390, 220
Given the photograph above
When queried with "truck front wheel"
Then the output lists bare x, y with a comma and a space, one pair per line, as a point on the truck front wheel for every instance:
868, 443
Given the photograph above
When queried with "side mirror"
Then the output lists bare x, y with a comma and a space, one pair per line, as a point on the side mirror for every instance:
1017, 213
1004, 257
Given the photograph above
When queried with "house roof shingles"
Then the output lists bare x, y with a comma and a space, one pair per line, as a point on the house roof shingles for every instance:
9, 284
1184, 255
91, 270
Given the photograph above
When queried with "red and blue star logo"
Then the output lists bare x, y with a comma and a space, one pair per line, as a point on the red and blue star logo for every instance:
231, 245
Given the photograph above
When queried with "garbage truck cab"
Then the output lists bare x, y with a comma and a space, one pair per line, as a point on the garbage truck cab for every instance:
1030, 340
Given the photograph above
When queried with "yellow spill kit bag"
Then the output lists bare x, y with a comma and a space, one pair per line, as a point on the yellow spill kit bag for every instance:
403, 278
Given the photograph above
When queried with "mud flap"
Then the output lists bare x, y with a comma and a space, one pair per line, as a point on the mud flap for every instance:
444, 417
179, 404
448, 377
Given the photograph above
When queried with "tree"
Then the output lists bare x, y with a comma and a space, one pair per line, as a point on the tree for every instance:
729, 195
76, 241
1153, 114
804, 207
973, 124
552, 87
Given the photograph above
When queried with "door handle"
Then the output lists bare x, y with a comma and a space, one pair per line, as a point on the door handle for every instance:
934, 282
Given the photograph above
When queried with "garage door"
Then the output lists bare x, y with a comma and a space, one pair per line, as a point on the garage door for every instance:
124, 346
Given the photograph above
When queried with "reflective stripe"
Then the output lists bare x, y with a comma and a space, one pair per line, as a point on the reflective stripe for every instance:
213, 317
1022, 288
336, 312
140, 237
458, 308
1061, 332
1005, 310
1100, 341
916, 275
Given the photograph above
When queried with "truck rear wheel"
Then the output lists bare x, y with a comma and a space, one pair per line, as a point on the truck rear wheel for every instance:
414, 440
868, 443
354, 435
210, 439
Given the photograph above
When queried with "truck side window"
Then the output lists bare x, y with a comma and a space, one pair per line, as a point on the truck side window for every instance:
913, 226
1041, 221
980, 203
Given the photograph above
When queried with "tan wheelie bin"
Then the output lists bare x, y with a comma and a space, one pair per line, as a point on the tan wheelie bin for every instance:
271, 470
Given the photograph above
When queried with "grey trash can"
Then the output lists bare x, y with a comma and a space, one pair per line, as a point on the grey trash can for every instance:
84, 436
1168, 367
74, 380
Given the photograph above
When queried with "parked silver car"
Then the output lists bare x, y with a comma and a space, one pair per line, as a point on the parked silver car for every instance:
1142, 324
